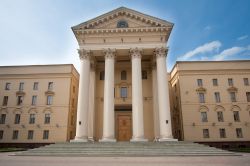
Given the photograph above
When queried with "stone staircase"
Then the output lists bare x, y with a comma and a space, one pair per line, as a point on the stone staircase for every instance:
126, 149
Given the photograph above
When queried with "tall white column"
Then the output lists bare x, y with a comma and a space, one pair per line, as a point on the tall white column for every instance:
108, 111
83, 98
91, 113
137, 102
155, 102
163, 96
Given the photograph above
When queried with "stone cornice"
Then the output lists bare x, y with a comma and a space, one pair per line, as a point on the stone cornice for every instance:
122, 30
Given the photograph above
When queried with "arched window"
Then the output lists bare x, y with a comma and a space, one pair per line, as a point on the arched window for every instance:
122, 24
102, 75
123, 75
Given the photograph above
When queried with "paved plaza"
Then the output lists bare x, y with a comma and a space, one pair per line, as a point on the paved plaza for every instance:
6, 159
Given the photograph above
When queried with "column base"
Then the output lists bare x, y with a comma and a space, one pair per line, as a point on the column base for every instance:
79, 140
139, 140
111, 140
167, 140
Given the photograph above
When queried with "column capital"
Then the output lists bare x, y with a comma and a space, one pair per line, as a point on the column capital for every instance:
161, 52
84, 54
135, 52
109, 53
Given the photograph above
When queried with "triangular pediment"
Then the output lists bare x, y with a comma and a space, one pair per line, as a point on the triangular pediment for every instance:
133, 18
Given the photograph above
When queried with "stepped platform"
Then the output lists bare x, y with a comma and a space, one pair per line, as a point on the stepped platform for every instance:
126, 149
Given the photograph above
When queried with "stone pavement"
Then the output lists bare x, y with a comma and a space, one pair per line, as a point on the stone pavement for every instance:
7, 160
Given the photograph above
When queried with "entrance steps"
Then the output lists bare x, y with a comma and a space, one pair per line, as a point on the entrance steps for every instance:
126, 149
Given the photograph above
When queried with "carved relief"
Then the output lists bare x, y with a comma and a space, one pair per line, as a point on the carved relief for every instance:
135, 52
84, 54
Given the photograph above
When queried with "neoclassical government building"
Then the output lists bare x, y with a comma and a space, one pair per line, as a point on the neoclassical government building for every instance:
124, 92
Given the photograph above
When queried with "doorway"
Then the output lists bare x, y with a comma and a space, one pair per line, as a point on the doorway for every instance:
123, 121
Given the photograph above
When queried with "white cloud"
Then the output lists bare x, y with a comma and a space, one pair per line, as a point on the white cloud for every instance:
242, 37
229, 52
208, 47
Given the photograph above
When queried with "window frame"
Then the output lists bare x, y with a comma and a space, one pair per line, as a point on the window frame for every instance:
49, 100
30, 135
17, 118
236, 116
124, 92
201, 97
204, 117
217, 97
206, 133
35, 86
5, 100
2, 118
199, 82
230, 81
246, 81
47, 117
239, 133
7, 85
46, 134
123, 75
215, 81
220, 116
34, 100
222, 132
15, 134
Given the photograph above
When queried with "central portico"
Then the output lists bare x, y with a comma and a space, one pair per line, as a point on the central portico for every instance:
123, 89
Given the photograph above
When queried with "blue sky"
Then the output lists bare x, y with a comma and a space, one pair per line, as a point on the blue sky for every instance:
38, 31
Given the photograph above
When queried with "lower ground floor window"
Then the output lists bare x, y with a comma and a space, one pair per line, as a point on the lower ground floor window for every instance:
1, 134
46, 134
222, 133
15, 134
239, 133
30, 134
205, 133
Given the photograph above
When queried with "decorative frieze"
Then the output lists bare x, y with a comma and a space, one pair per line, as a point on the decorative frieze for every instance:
135, 52
84, 54
161, 52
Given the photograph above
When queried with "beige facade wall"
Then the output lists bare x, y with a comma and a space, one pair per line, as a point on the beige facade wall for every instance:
62, 110
187, 108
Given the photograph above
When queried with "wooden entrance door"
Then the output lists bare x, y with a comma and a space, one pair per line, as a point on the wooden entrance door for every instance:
123, 126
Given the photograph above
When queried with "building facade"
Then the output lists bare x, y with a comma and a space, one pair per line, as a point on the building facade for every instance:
211, 101
123, 88
38, 103
125, 92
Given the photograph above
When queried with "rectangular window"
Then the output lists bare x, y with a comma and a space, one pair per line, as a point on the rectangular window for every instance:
33, 102
15, 134
144, 74
35, 86
32, 119
199, 82
17, 118
230, 81
124, 92
220, 116
46, 134
50, 86
205, 133
47, 119
246, 82
248, 96
217, 97
19, 100
236, 116
204, 116
201, 98
21, 86
233, 96
5, 100
239, 133
30, 134
1, 134
222, 133
2, 118
49, 100
7, 86
215, 82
